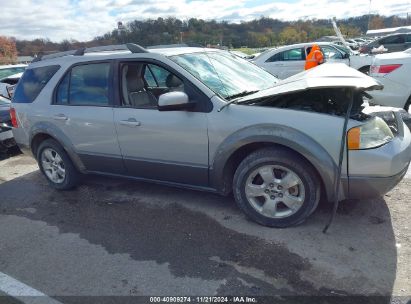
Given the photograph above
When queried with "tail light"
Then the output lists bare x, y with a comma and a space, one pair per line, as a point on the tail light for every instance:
384, 69
13, 117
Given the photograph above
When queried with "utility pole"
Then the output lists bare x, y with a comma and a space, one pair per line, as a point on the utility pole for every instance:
369, 17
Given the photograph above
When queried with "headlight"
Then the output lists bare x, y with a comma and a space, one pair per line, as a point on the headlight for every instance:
373, 134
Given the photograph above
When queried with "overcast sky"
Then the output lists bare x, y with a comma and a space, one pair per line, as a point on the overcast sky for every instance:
84, 19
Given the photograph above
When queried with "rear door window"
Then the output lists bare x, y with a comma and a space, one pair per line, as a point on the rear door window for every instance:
86, 84
32, 82
409, 38
293, 55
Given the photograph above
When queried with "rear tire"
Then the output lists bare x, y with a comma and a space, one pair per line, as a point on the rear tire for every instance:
57, 166
275, 187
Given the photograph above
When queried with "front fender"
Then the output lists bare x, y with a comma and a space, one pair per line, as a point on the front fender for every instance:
51, 130
275, 134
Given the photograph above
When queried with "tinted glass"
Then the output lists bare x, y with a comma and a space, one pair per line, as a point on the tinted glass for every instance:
276, 57
62, 91
11, 71
409, 38
89, 85
32, 82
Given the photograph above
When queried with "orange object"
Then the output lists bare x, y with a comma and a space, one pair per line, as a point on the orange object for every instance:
354, 138
314, 57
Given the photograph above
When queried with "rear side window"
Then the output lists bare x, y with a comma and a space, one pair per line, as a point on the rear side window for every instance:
276, 57
409, 38
32, 82
85, 85
11, 71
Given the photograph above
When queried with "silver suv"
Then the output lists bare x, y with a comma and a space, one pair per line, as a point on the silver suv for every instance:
206, 119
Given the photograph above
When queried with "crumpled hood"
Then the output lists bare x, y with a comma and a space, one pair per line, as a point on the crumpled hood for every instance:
329, 75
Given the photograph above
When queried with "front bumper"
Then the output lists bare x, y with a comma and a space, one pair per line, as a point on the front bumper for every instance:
364, 187
374, 172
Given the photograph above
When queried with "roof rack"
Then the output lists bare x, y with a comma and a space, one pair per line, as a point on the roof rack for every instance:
166, 46
134, 48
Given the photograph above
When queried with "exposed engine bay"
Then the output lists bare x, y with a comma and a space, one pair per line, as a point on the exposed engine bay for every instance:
332, 101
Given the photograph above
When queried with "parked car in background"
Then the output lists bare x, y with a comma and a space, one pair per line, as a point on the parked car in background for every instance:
7, 70
393, 43
7, 83
393, 70
288, 60
353, 46
6, 135
206, 119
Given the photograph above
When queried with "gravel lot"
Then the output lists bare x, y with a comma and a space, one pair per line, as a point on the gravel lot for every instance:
115, 237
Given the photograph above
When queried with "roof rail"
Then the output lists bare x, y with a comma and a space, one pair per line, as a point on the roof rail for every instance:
134, 48
176, 45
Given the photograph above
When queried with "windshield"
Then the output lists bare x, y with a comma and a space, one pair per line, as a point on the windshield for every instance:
226, 74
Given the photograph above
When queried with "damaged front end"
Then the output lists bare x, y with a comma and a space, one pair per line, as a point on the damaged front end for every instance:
332, 101
326, 89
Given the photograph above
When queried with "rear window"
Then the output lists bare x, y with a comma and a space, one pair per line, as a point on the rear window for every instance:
10, 71
32, 82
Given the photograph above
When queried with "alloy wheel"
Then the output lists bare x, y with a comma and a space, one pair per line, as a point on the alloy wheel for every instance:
53, 165
275, 191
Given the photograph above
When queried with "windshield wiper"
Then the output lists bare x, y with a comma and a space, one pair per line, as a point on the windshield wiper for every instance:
241, 94
233, 98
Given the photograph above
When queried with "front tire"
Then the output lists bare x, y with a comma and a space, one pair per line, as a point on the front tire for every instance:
275, 187
56, 165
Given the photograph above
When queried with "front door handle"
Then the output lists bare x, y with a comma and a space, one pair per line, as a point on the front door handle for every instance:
60, 117
131, 122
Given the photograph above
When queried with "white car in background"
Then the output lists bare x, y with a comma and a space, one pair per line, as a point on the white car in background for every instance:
11, 69
289, 60
393, 70
7, 83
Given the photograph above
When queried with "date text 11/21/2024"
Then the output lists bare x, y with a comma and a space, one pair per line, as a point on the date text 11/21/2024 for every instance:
203, 299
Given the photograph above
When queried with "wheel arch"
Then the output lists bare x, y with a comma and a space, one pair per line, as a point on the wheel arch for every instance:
243, 142
44, 131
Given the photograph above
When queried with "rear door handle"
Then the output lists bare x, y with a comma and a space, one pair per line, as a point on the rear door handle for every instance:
131, 122
60, 117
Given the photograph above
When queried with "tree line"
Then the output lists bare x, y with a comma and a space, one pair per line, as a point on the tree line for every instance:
262, 32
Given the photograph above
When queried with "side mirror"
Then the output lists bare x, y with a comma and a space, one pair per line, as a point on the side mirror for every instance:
346, 56
174, 101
